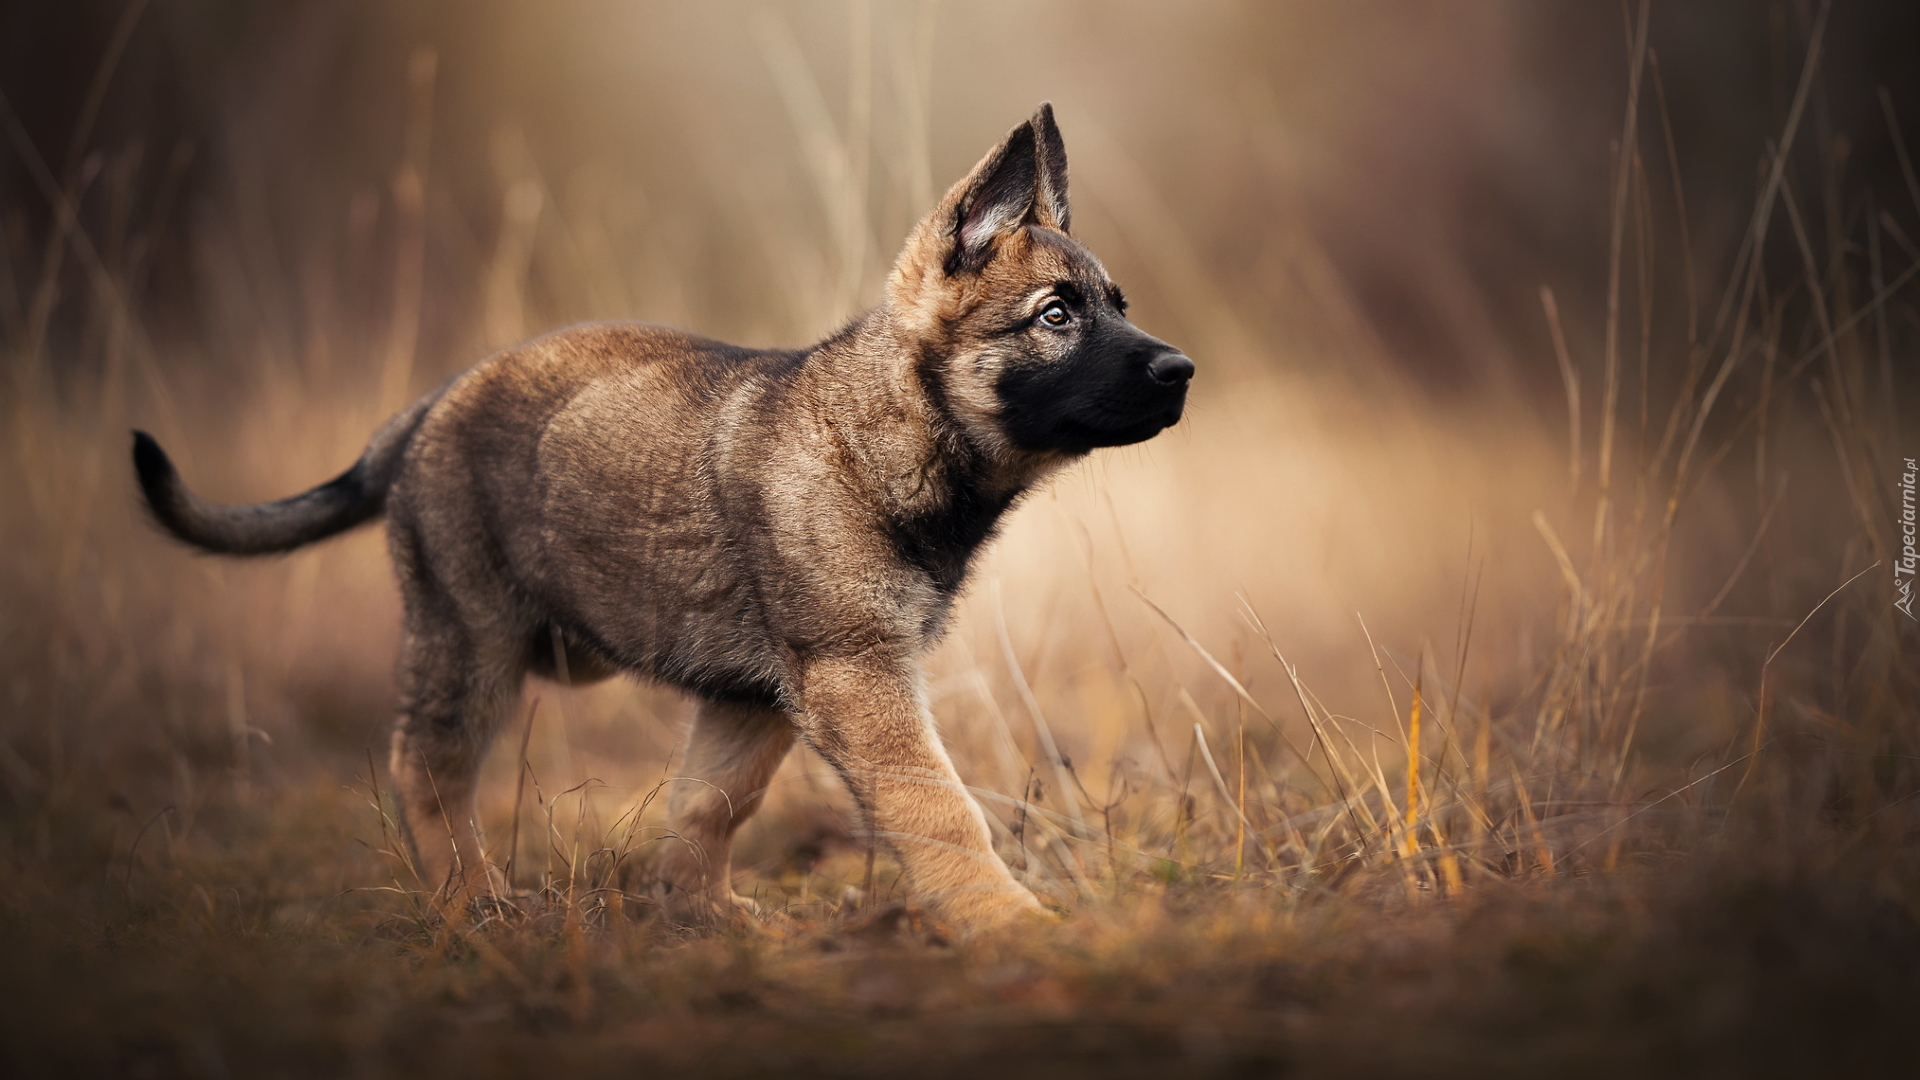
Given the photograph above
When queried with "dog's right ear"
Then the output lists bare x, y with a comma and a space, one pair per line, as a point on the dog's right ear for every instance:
1023, 181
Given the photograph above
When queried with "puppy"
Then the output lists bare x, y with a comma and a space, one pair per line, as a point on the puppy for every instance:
780, 533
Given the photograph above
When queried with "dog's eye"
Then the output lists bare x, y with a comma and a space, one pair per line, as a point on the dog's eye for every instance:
1055, 314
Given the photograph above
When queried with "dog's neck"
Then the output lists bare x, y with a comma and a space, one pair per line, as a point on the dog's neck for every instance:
882, 385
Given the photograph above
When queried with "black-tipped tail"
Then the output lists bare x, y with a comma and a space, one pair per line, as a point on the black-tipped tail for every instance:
352, 498
264, 529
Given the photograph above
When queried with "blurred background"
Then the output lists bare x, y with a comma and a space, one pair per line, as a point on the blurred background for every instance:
1440, 162
1450, 349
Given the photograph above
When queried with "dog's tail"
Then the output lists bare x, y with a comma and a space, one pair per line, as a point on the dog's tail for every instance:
355, 496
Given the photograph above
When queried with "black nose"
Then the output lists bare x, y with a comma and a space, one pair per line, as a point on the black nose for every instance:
1170, 369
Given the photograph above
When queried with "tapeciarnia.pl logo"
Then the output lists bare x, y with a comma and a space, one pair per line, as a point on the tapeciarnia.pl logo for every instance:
1905, 566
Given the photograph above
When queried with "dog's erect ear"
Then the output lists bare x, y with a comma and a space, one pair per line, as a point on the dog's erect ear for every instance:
1023, 181
1053, 169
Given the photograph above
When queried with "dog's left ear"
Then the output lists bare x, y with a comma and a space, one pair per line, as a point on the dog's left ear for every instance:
1023, 181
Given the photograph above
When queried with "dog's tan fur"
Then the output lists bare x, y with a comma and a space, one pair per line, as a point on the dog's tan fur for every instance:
779, 533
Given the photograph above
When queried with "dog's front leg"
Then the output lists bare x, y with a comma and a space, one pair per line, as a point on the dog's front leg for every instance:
868, 718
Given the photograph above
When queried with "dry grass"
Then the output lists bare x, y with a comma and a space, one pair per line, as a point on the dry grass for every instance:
1356, 730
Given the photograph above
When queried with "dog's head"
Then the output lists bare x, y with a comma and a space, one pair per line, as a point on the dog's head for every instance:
1023, 337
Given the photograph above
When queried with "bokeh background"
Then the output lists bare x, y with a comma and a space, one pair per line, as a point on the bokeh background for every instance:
1394, 236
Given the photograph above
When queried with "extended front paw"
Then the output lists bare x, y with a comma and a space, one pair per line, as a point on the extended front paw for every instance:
988, 910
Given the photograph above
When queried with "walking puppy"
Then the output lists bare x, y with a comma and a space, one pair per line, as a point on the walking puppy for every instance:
779, 533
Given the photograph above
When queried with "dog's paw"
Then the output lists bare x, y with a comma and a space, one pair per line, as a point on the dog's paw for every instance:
696, 909
999, 911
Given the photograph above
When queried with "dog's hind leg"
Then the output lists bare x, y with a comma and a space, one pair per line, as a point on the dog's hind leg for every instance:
457, 686
731, 755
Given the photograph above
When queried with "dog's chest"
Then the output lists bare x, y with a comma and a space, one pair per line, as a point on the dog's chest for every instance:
941, 538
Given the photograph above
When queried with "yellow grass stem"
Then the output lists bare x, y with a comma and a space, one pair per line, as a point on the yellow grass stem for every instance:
1413, 762
1449, 860
1542, 853
1240, 834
